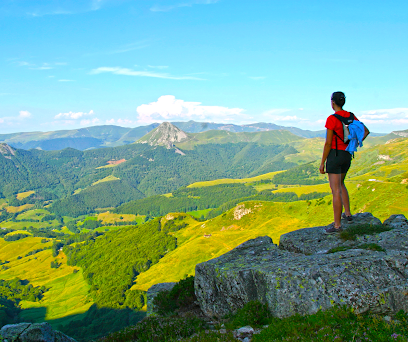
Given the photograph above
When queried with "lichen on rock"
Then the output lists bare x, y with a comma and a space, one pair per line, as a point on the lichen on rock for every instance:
300, 277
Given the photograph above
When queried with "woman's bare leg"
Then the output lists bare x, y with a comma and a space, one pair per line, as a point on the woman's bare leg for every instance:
336, 188
345, 196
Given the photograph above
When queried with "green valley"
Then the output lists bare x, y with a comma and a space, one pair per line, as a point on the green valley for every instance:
93, 239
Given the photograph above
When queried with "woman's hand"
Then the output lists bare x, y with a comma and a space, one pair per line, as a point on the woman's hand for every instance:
321, 169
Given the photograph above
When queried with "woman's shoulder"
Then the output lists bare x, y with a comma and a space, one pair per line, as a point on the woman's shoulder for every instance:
343, 113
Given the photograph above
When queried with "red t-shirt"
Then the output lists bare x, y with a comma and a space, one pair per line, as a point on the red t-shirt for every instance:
335, 124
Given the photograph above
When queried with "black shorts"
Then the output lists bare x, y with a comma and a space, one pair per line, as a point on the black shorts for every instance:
338, 164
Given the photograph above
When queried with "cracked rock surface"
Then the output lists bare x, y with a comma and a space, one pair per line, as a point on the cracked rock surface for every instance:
300, 276
32, 332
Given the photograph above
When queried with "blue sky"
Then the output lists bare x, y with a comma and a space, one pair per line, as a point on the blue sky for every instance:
69, 64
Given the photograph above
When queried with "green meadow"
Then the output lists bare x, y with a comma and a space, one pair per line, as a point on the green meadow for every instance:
67, 291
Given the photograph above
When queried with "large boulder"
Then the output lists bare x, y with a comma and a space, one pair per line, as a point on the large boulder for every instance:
300, 276
313, 240
32, 332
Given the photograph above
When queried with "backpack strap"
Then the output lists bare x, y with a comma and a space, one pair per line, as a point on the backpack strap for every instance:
345, 121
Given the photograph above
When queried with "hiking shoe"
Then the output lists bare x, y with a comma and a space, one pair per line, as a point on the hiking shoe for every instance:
345, 217
332, 230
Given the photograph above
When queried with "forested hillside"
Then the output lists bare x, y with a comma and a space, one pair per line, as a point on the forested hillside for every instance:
84, 180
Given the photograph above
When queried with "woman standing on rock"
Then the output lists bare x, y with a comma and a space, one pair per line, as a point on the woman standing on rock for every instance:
338, 161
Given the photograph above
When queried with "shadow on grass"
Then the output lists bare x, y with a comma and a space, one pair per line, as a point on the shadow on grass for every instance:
91, 325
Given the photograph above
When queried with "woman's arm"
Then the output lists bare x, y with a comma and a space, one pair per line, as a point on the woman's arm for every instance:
326, 149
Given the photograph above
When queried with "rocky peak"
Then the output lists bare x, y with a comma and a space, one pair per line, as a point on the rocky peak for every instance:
6, 150
165, 135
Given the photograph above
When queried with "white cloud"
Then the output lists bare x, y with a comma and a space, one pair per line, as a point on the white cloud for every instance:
158, 8
126, 122
16, 120
392, 116
121, 49
292, 117
86, 122
22, 63
72, 115
24, 114
43, 68
167, 108
129, 72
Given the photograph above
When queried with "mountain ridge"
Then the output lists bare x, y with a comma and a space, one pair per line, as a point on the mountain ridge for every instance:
112, 136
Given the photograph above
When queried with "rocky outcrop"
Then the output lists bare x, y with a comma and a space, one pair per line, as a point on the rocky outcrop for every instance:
32, 332
166, 135
314, 241
6, 150
300, 276
401, 133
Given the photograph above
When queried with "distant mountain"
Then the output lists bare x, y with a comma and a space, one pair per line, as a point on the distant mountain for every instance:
225, 137
197, 127
165, 135
112, 136
80, 139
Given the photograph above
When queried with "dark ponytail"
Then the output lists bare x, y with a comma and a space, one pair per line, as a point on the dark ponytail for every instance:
339, 98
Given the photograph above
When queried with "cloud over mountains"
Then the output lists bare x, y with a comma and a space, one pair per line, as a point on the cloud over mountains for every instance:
167, 108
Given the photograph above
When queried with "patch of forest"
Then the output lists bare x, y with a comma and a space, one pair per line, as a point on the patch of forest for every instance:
221, 197
132, 250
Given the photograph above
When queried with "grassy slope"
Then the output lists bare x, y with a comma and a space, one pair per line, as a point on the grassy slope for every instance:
390, 196
106, 179
22, 224
36, 214
68, 292
23, 195
224, 137
18, 209
230, 181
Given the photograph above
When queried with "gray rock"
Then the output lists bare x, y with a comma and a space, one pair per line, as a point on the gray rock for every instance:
152, 292
32, 332
313, 240
39, 332
299, 277
13, 331
396, 221
245, 331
